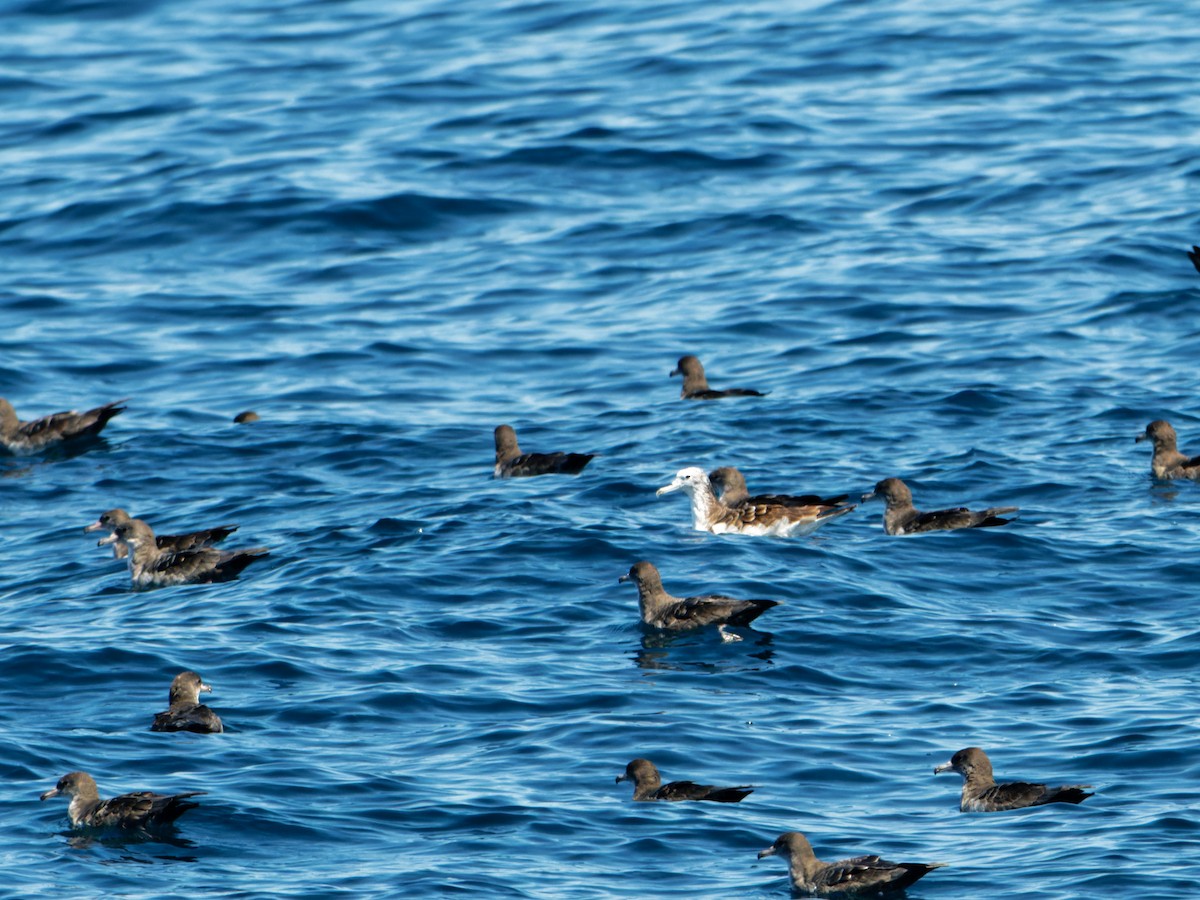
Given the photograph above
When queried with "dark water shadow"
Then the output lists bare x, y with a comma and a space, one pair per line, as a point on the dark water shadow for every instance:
695, 650
16, 465
123, 839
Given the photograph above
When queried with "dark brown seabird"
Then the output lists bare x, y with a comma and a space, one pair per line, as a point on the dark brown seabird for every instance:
766, 518
980, 793
57, 428
730, 487
901, 517
1167, 461
152, 567
186, 712
140, 809
1194, 256
512, 463
647, 785
245, 418
662, 610
695, 384
868, 875
192, 540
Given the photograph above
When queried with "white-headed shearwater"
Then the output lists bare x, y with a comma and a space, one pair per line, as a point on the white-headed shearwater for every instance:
647, 785
185, 712
1167, 461
901, 517
512, 463
859, 875
730, 487
695, 385
173, 543
140, 809
662, 610
777, 519
980, 793
57, 428
152, 567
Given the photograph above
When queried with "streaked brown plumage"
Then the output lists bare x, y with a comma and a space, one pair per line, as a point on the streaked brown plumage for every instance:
765, 518
980, 793
647, 785
56, 428
847, 877
901, 517
140, 809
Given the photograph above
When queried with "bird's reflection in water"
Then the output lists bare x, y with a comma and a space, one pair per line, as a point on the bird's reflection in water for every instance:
1165, 492
122, 839
24, 464
671, 651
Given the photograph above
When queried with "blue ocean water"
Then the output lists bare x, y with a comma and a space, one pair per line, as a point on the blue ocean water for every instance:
948, 240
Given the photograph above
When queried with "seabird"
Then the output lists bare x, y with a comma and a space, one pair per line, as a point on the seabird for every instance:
670, 613
186, 712
152, 567
512, 463
847, 877
1167, 461
192, 540
647, 785
140, 809
730, 487
244, 418
778, 519
1194, 256
901, 517
57, 428
695, 385
980, 793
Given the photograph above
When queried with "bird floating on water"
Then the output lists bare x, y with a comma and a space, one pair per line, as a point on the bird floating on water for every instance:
1168, 462
662, 610
173, 543
185, 712
54, 429
980, 793
140, 809
730, 487
151, 567
901, 517
858, 875
647, 785
766, 518
695, 384
512, 463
